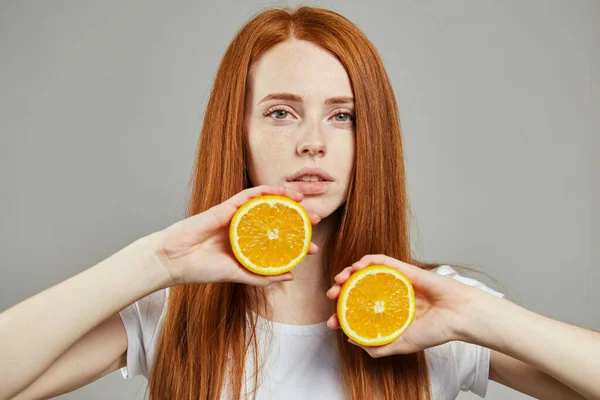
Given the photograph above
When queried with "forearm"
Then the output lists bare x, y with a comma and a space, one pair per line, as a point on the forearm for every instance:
565, 352
35, 332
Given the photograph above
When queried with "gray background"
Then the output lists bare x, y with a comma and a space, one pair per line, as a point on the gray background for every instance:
101, 103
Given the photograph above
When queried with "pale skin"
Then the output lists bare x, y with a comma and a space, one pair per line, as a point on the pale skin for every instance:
304, 132
70, 334
531, 353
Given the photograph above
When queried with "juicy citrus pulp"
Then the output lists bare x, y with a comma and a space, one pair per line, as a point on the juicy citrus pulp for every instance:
270, 235
375, 305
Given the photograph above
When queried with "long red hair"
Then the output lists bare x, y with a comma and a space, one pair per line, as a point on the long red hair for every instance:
207, 332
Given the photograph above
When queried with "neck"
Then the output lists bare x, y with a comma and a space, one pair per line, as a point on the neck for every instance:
303, 300
311, 269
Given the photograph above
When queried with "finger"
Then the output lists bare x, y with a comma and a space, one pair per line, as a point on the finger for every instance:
224, 214
313, 248
269, 280
293, 194
343, 276
375, 351
224, 211
371, 259
400, 346
334, 292
314, 218
250, 278
333, 322
409, 270
275, 190
242, 197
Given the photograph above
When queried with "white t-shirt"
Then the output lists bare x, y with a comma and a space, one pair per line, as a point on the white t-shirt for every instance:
301, 361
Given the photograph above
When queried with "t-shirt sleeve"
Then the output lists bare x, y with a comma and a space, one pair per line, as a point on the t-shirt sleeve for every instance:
472, 367
472, 361
142, 321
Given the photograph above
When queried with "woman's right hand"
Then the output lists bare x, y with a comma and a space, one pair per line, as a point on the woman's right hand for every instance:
197, 249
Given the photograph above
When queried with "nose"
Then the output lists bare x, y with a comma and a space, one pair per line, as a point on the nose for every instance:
312, 143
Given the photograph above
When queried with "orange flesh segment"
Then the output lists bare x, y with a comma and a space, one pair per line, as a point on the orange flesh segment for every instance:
378, 305
271, 235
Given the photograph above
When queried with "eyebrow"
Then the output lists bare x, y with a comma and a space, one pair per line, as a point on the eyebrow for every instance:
298, 99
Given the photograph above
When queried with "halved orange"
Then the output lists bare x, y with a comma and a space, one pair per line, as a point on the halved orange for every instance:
376, 305
270, 235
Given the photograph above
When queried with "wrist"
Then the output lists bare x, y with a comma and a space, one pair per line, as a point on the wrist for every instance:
474, 316
150, 259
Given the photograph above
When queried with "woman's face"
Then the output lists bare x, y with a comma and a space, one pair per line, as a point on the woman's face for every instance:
300, 124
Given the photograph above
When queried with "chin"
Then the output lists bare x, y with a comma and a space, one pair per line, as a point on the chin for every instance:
321, 205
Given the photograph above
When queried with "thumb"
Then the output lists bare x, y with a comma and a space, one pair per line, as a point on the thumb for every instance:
402, 346
286, 277
251, 278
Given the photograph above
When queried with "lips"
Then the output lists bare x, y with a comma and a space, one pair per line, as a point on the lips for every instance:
310, 175
310, 181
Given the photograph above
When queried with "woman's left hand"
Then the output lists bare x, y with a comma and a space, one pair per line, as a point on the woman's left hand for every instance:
442, 304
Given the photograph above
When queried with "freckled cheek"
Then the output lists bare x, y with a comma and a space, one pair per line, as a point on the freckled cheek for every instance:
270, 155
343, 153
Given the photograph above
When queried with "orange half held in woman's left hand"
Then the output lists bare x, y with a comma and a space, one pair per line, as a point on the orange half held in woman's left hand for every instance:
376, 305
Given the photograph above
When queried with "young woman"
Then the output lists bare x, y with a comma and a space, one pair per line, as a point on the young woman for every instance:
298, 93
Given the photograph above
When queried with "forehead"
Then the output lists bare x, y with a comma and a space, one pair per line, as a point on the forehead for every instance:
299, 67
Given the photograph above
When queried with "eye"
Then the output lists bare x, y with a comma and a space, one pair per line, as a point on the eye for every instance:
343, 117
278, 113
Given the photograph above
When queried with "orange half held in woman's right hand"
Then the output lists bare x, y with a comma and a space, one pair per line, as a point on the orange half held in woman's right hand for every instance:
270, 235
